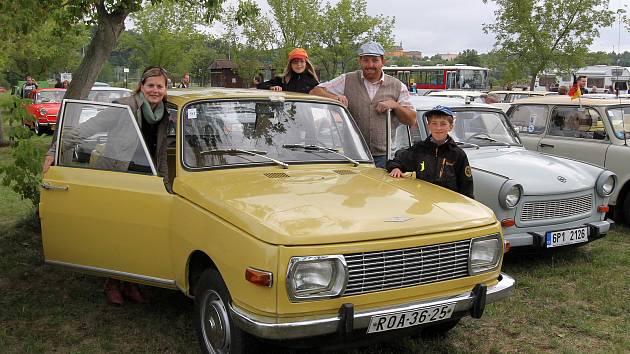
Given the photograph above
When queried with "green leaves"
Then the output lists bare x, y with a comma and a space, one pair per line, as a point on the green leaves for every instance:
537, 35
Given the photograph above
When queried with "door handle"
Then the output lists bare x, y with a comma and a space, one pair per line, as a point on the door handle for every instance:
52, 187
543, 145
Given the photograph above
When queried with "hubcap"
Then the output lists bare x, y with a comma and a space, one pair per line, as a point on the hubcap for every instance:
215, 324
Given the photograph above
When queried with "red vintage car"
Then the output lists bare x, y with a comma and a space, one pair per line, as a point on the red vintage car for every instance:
45, 106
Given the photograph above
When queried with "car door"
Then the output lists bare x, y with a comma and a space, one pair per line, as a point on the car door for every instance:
576, 132
103, 208
529, 120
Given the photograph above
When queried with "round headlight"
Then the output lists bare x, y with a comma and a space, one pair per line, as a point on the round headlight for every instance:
43, 111
510, 194
606, 183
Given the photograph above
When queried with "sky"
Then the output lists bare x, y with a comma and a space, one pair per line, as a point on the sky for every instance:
461, 24
417, 28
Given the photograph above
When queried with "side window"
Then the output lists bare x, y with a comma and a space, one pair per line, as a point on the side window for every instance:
529, 119
577, 122
102, 137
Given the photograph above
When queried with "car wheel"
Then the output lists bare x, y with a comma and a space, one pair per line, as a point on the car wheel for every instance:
216, 332
626, 209
439, 330
38, 128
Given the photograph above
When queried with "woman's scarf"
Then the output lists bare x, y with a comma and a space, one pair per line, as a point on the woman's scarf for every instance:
150, 115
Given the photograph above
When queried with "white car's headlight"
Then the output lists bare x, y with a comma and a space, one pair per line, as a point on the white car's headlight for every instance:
485, 254
606, 183
510, 194
316, 277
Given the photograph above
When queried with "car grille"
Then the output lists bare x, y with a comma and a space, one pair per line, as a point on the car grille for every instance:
377, 271
555, 209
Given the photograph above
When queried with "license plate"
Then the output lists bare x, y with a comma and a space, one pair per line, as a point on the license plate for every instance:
410, 318
567, 237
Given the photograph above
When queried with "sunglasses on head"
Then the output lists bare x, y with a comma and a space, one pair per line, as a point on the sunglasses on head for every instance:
150, 68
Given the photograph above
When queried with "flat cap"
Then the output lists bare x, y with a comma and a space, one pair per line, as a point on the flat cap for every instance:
371, 49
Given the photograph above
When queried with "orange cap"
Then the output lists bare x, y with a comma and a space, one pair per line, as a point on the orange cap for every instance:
297, 53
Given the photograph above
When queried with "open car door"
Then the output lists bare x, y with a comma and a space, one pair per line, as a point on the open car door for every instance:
103, 207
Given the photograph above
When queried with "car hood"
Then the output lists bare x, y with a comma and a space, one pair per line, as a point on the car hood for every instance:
307, 205
539, 174
52, 108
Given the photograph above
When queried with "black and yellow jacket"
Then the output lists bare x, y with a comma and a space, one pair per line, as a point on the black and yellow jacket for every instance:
445, 165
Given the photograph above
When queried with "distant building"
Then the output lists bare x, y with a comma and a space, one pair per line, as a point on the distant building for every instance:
448, 56
395, 51
222, 74
414, 55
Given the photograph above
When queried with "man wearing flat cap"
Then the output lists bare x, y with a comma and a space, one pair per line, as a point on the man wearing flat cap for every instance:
369, 93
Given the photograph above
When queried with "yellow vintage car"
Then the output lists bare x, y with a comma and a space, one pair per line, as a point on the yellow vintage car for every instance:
273, 217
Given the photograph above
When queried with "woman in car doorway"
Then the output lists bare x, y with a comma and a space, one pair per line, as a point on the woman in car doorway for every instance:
148, 104
298, 76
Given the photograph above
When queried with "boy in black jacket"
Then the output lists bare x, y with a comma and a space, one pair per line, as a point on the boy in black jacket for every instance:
437, 159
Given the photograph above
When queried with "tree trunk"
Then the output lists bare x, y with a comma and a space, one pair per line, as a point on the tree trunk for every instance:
108, 30
532, 81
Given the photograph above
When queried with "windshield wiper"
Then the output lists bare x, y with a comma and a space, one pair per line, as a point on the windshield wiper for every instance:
320, 148
258, 153
467, 144
487, 138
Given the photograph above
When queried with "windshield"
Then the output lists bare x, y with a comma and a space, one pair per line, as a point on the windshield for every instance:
49, 96
480, 128
473, 79
228, 133
620, 121
107, 95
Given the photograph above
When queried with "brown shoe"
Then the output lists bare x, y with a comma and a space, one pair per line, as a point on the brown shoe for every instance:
132, 293
112, 291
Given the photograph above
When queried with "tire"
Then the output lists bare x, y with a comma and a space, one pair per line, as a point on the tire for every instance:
625, 213
215, 329
38, 130
439, 330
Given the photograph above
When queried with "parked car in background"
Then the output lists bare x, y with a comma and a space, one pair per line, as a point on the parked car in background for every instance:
44, 108
473, 96
46, 103
541, 201
277, 223
592, 130
508, 96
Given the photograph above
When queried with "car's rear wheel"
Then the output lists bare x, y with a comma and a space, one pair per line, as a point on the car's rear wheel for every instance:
439, 330
216, 331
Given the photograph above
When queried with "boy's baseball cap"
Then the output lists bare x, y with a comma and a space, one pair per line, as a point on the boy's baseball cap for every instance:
441, 109
372, 49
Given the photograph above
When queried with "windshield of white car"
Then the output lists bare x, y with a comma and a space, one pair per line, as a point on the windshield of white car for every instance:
228, 133
482, 128
619, 118
109, 95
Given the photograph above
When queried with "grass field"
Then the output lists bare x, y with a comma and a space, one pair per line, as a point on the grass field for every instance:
571, 301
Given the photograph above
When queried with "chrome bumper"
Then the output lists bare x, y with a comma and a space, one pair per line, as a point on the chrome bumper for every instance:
597, 229
292, 328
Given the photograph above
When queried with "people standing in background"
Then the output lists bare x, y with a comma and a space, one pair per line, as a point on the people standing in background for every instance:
298, 76
58, 83
28, 86
369, 93
185, 81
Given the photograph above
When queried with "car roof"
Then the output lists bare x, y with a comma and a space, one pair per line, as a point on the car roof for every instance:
109, 88
423, 103
48, 89
183, 96
536, 93
566, 100
455, 93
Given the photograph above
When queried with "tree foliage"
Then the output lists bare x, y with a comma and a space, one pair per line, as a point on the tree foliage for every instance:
537, 35
468, 57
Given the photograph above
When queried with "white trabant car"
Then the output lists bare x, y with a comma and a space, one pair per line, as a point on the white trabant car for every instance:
588, 129
542, 201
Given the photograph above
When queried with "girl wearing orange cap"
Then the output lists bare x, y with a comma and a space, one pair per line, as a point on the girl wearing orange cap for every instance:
299, 75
